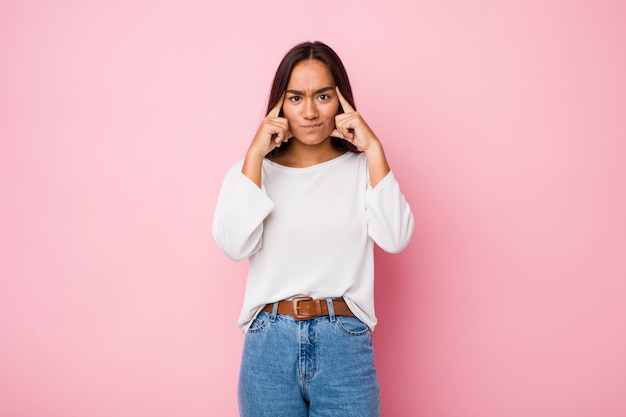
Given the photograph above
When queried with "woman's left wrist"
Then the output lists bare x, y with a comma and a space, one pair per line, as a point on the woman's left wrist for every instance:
374, 147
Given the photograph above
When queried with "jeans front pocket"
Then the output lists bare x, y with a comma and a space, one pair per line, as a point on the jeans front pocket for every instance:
352, 326
259, 323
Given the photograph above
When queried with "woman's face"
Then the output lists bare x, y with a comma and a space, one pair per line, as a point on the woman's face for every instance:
311, 102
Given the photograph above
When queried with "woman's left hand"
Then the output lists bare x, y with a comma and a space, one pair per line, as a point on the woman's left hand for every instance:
350, 126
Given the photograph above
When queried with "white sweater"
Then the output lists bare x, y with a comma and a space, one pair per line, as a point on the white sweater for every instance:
311, 231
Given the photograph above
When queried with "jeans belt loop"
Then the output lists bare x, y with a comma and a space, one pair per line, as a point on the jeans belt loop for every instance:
274, 313
331, 310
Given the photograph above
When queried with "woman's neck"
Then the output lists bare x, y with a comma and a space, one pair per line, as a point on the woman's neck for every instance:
299, 155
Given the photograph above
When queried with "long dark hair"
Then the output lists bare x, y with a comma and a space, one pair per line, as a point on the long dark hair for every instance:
303, 52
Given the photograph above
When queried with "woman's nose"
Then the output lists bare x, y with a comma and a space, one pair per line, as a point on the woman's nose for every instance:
309, 111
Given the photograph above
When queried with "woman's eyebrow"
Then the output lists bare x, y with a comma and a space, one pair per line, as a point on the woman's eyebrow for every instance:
301, 93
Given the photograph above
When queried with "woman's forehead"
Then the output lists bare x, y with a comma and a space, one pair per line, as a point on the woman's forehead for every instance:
310, 75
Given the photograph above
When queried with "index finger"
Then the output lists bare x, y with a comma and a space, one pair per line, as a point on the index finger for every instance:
347, 108
275, 112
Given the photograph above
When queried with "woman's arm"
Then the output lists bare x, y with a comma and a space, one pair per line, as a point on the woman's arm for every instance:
239, 214
389, 217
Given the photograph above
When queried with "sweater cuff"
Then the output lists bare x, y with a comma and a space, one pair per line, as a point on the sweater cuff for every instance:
250, 196
388, 179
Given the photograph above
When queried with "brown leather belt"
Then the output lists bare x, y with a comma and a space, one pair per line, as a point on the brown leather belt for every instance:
306, 308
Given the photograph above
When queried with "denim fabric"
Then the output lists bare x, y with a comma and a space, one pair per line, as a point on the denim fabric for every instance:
322, 367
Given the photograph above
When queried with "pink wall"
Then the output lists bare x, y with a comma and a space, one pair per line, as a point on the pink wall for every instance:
504, 121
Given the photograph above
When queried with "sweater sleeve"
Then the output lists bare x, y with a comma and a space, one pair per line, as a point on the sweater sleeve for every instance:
239, 214
389, 217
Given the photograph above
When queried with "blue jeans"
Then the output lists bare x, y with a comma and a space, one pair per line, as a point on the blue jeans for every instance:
322, 367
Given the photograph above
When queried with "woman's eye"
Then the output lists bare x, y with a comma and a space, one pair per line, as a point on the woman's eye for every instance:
294, 98
324, 97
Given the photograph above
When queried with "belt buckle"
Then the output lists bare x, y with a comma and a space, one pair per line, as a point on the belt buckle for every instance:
295, 309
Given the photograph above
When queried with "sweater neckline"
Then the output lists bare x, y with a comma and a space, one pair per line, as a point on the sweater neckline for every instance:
324, 164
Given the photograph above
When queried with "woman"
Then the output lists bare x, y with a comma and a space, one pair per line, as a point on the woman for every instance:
305, 206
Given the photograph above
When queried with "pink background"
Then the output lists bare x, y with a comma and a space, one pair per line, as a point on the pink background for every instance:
505, 122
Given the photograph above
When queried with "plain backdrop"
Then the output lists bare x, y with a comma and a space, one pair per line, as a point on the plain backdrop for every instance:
504, 121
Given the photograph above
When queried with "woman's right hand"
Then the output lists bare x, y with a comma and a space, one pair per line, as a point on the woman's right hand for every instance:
273, 131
